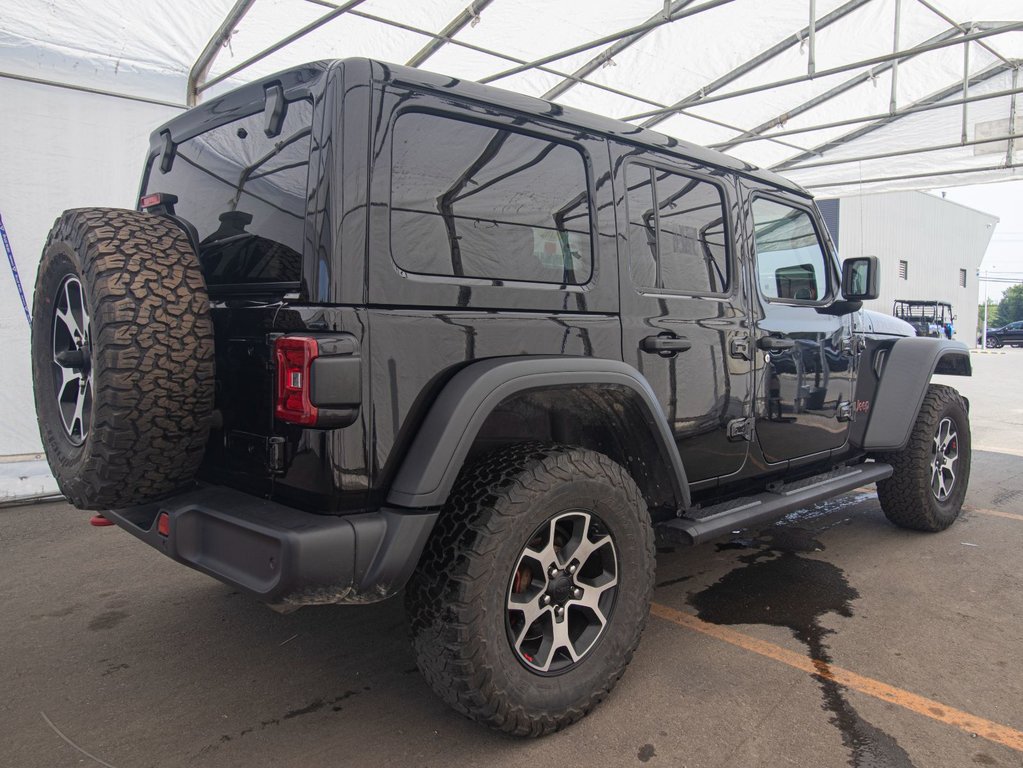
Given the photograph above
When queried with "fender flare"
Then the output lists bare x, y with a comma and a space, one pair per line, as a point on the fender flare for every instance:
438, 451
907, 370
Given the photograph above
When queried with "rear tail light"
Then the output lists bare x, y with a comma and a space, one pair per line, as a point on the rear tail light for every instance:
295, 355
163, 524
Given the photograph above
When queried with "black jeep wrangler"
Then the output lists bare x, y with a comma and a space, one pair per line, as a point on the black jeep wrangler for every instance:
374, 329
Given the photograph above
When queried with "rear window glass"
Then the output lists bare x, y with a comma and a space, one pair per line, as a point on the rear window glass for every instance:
245, 193
469, 200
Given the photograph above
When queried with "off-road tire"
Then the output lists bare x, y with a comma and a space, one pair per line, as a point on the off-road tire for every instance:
906, 497
150, 350
456, 597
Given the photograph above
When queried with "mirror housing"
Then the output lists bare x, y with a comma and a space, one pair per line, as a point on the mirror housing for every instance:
860, 278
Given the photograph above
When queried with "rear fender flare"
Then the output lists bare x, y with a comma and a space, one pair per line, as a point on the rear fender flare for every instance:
439, 449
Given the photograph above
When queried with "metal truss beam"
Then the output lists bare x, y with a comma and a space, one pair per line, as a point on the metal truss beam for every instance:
962, 28
591, 66
748, 66
542, 68
471, 12
903, 152
983, 30
284, 41
909, 176
754, 133
870, 118
658, 21
201, 68
993, 71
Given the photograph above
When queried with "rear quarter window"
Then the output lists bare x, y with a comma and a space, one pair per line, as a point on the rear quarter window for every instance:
477, 201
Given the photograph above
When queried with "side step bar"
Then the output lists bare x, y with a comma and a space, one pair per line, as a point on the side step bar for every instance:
708, 523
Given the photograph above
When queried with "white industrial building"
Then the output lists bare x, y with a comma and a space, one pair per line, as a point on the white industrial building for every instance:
930, 248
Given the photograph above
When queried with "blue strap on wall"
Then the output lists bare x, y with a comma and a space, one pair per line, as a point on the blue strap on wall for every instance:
14, 270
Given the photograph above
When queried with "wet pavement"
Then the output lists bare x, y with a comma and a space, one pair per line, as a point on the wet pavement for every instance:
113, 655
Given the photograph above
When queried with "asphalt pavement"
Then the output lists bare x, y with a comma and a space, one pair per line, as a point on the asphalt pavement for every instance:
829, 639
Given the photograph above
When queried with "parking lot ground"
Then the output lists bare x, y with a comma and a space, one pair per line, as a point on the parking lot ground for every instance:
829, 639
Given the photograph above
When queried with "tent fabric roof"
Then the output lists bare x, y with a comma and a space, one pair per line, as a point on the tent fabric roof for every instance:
841, 96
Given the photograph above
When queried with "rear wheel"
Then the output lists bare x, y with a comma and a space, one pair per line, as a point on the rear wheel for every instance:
534, 588
122, 357
993, 342
927, 489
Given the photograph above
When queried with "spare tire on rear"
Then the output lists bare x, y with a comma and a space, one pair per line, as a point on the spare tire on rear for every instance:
122, 357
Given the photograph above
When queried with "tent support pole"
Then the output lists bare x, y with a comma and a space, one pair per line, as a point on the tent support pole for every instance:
201, 68
983, 30
902, 152
908, 176
892, 102
1012, 118
812, 39
934, 101
911, 110
469, 14
966, 87
591, 66
700, 96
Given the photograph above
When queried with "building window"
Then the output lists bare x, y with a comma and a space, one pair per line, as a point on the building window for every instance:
962, 278
904, 270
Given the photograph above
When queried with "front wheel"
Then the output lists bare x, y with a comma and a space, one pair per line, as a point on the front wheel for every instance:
927, 489
533, 591
993, 342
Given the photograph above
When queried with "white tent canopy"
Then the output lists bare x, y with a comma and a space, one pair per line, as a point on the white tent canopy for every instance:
843, 96
814, 88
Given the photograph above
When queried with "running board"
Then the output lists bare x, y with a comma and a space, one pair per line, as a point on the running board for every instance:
710, 522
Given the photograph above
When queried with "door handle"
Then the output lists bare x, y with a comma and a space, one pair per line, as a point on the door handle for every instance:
775, 343
665, 346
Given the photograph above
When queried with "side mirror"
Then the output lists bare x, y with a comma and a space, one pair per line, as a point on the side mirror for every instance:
860, 278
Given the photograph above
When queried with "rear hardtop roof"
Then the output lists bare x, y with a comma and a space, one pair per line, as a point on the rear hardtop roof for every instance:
308, 78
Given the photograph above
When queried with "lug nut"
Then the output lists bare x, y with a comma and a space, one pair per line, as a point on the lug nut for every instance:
571, 569
577, 593
546, 600
553, 571
557, 610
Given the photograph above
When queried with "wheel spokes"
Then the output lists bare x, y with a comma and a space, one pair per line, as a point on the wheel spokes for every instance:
72, 379
562, 592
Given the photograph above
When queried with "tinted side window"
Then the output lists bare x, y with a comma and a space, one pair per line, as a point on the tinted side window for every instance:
678, 236
246, 195
469, 200
790, 260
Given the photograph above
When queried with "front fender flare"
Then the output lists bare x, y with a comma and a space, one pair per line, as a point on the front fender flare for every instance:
907, 370
435, 457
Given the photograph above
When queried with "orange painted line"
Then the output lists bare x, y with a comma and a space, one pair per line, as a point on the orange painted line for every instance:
995, 513
964, 721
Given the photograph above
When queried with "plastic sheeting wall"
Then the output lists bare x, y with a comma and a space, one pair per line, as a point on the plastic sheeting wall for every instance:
61, 149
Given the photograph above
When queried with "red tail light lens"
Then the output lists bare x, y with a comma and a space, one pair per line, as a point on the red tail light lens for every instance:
295, 355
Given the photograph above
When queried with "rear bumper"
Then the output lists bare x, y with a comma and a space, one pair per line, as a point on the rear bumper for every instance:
281, 555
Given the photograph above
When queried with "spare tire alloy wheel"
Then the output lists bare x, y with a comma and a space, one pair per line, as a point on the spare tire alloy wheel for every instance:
562, 592
72, 359
122, 357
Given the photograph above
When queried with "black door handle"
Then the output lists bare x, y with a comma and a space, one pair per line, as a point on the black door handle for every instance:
665, 346
775, 343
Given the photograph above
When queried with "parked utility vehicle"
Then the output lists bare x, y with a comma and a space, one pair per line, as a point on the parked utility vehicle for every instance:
374, 329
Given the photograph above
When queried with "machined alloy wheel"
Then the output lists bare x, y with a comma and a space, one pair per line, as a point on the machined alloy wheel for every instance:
946, 454
532, 592
72, 359
562, 592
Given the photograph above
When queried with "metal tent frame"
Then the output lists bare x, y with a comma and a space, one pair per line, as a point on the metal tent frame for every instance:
954, 95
